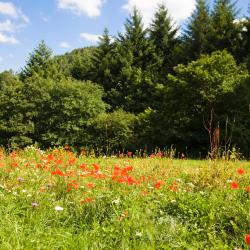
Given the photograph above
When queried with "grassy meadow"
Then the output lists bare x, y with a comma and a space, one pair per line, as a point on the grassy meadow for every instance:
58, 200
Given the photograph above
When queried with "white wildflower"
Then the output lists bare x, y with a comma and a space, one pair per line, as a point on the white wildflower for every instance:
58, 208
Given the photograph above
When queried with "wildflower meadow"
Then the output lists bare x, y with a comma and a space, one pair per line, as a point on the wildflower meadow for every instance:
57, 199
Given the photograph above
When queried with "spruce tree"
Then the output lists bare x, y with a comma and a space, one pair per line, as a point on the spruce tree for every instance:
134, 40
38, 61
246, 39
224, 34
196, 34
101, 71
133, 52
163, 36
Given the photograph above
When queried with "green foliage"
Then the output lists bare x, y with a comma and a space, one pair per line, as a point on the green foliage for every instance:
240, 117
192, 93
168, 86
113, 131
48, 112
243, 49
76, 64
39, 62
198, 29
163, 35
65, 115
133, 83
103, 62
224, 33
16, 127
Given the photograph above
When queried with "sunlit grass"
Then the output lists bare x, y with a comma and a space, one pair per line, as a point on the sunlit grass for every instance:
57, 200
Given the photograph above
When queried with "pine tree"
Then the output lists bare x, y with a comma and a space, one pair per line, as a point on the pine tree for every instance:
38, 61
134, 40
224, 33
198, 28
102, 62
246, 40
133, 54
163, 35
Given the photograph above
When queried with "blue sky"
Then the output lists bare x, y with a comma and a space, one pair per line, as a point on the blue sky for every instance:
69, 24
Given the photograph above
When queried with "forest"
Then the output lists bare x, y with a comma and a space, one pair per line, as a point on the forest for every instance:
161, 88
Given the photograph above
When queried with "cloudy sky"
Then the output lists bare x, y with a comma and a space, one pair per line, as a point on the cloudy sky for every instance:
69, 24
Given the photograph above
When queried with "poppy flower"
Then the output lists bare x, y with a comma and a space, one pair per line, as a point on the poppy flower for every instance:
96, 167
87, 200
83, 166
90, 185
57, 172
241, 171
247, 239
71, 160
158, 184
50, 157
234, 185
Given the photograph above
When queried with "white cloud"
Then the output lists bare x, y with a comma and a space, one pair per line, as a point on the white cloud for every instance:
64, 45
1, 59
90, 37
16, 20
9, 9
91, 8
8, 39
179, 10
7, 26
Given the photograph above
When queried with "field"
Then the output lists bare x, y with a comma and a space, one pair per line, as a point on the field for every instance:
57, 200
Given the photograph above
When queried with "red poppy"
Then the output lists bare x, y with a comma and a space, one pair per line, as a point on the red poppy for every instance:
58, 162
87, 200
241, 171
247, 189
247, 239
72, 160
131, 180
173, 187
96, 167
83, 166
142, 179
234, 185
158, 184
57, 172
38, 165
14, 164
90, 185
159, 154
50, 157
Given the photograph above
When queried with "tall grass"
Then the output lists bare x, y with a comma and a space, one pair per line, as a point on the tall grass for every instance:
56, 200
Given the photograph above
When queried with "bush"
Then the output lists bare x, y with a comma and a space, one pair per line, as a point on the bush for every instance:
67, 113
113, 130
16, 126
49, 112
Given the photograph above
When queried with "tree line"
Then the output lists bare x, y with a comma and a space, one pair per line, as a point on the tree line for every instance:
146, 88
